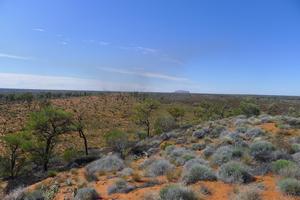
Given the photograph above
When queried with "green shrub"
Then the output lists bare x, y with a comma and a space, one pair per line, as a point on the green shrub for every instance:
177, 112
290, 186
118, 141
281, 164
249, 109
295, 148
176, 192
71, 154
51, 173
164, 124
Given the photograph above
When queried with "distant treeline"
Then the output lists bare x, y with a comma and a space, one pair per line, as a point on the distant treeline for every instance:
30, 96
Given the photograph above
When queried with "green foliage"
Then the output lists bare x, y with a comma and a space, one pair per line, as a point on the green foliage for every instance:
164, 124
249, 108
46, 125
52, 173
281, 164
14, 155
213, 110
71, 154
290, 186
143, 113
274, 109
176, 112
118, 141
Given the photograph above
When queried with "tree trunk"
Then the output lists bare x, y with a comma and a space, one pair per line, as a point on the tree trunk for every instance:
46, 155
148, 129
82, 135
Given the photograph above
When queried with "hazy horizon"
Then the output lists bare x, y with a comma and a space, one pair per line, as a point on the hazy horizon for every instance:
215, 47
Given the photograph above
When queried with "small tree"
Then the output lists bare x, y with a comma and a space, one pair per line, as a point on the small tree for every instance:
249, 108
46, 125
80, 126
118, 141
143, 112
14, 158
177, 112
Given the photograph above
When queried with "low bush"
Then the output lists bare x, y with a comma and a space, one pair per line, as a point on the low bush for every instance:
71, 154
37, 194
249, 108
86, 194
198, 147
248, 193
296, 157
208, 151
106, 164
159, 168
126, 172
151, 196
235, 172
180, 155
254, 132
262, 151
290, 186
198, 172
225, 154
176, 192
120, 186
193, 162
118, 141
281, 164
164, 124
17, 194
201, 133
295, 148
216, 131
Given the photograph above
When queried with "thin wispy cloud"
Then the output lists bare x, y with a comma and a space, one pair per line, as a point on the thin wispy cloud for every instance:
103, 43
144, 74
39, 29
140, 49
33, 81
16, 57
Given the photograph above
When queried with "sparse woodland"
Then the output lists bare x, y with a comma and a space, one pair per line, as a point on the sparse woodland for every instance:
149, 146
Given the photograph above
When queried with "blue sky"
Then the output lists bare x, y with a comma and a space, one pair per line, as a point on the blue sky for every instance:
205, 46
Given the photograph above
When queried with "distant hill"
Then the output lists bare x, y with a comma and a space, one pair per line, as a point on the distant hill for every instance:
182, 92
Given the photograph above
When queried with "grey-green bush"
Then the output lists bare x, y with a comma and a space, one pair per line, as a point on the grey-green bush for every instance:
86, 194
235, 172
290, 186
106, 164
120, 186
177, 192
248, 193
159, 168
225, 154
262, 151
180, 155
197, 173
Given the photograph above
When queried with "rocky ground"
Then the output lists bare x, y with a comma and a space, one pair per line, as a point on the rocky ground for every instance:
234, 158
